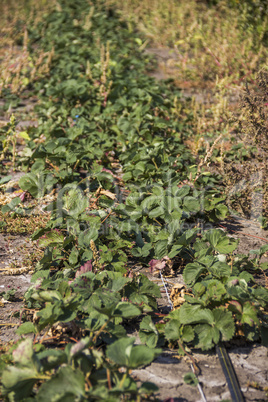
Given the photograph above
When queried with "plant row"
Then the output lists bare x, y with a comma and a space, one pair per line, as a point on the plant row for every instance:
110, 146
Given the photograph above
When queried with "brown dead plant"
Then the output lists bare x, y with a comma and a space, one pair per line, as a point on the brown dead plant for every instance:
246, 180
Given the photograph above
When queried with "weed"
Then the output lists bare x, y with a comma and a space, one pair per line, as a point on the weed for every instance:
247, 181
9, 295
18, 67
17, 224
209, 41
10, 140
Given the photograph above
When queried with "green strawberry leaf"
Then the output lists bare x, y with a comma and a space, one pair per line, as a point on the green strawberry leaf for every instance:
66, 383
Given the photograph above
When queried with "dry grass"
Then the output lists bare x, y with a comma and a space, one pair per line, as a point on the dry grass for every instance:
18, 68
248, 181
22, 224
208, 41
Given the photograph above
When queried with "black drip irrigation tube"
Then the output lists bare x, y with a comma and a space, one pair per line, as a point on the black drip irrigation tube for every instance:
226, 365
230, 375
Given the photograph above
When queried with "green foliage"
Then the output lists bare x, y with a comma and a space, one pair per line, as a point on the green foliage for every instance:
190, 379
125, 354
148, 333
9, 295
63, 372
99, 113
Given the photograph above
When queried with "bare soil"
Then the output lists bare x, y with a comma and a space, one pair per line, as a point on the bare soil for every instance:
165, 68
167, 371
10, 253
